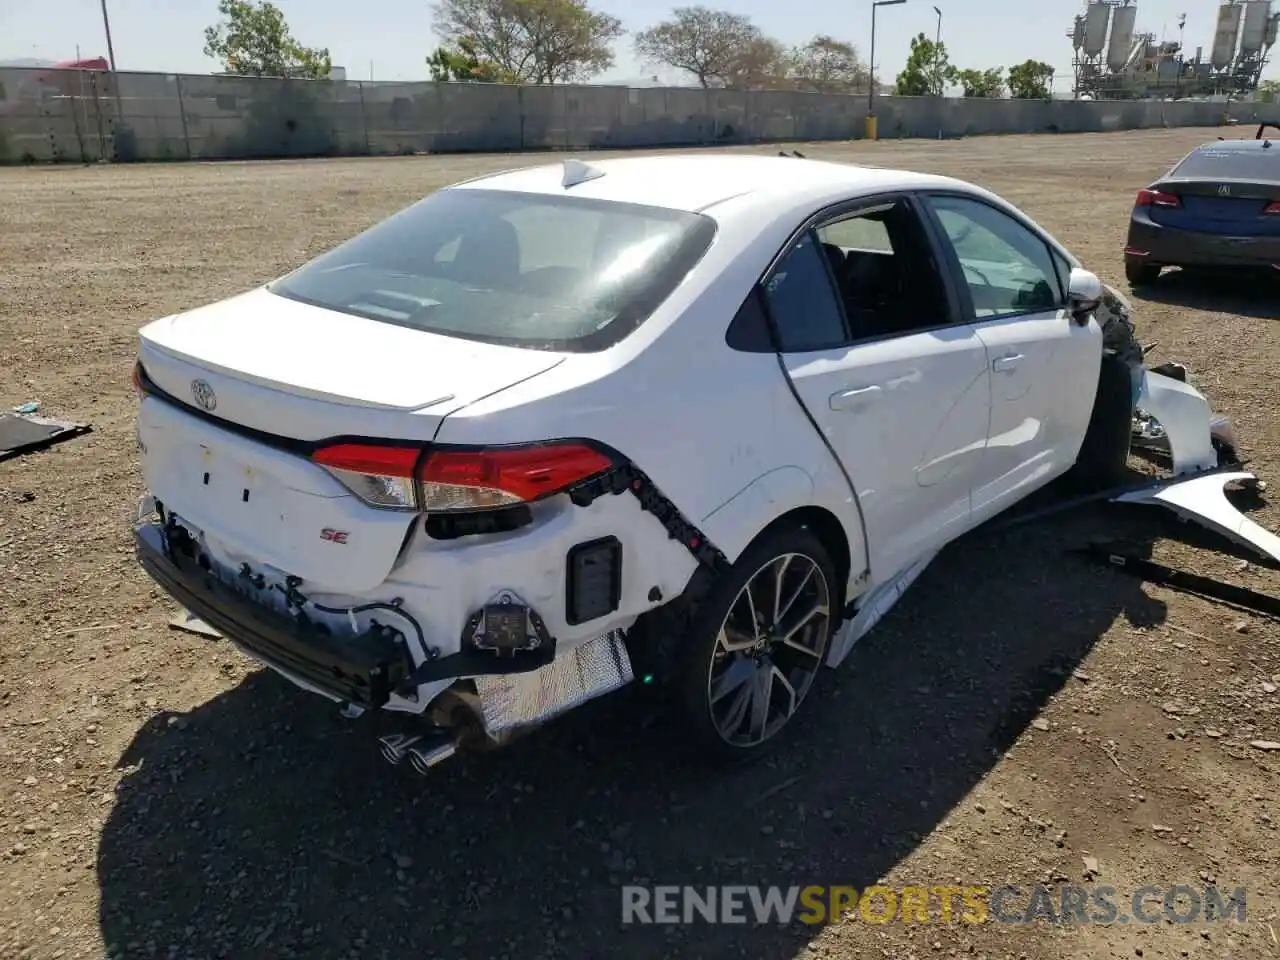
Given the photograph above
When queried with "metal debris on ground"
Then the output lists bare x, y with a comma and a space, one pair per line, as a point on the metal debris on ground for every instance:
24, 433
184, 620
1181, 580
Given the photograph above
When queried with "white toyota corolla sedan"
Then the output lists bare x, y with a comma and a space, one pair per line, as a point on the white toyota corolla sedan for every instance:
685, 418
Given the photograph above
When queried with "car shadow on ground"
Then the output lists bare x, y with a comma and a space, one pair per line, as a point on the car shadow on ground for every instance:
263, 825
1216, 292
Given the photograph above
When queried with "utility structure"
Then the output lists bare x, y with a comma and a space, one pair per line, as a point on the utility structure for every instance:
871, 131
1114, 61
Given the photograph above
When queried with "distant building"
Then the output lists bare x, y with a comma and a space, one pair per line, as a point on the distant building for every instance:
94, 63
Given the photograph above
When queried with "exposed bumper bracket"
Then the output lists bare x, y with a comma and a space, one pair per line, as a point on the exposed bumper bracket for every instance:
361, 669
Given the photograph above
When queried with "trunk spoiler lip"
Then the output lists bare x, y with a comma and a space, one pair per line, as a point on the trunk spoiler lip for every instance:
268, 384
305, 448
1208, 186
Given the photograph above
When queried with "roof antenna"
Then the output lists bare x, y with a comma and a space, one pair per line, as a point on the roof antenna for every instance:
576, 172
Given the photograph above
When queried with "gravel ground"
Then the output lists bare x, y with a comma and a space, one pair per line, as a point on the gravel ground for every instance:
1019, 718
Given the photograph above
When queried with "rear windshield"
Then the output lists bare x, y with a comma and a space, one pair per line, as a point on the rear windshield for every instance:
527, 270
1215, 163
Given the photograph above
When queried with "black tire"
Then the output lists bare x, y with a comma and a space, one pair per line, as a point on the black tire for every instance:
1141, 274
702, 643
1103, 459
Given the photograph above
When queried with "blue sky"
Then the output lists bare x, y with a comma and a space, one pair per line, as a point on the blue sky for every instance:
394, 36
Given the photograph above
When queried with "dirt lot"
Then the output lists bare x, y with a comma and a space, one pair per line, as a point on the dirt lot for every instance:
1020, 717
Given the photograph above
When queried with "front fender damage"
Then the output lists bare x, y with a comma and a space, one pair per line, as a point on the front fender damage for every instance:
1169, 415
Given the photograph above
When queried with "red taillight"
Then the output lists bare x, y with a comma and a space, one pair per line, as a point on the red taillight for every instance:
460, 479
497, 477
1157, 198
138, 383
1272, 208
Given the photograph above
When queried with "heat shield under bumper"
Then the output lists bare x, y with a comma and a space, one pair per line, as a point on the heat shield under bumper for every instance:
591, 670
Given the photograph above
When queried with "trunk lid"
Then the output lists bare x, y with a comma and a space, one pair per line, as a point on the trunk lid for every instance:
259, 354
266, 507
262, 378
1221, 206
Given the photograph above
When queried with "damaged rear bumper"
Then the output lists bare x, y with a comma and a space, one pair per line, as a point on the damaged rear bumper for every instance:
360, 669
364, 669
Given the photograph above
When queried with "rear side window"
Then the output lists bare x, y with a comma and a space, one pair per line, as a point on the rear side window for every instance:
521, 269
802, 300
1217, 163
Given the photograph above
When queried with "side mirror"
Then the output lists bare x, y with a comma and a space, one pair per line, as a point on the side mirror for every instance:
1084, 293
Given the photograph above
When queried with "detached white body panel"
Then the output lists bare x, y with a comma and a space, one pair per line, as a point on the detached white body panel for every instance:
1203, 500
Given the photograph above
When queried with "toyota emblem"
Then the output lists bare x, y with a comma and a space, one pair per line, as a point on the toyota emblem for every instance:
203, 395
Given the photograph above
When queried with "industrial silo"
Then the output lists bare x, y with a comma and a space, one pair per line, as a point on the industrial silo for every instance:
1253, 36
1121, 37
1077, 33
1224, 38
1096, 18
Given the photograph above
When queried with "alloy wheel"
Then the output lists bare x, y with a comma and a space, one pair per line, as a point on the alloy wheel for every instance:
769, 649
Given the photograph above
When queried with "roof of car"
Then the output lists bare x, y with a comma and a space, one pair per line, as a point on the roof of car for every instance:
1236, 146
696, 181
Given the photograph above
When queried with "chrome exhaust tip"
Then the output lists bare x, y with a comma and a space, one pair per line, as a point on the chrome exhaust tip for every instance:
395, 745
422, 759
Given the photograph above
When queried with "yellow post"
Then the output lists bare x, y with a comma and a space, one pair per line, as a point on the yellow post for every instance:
871, 127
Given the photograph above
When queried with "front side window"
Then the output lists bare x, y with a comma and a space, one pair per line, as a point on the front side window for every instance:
1007, 268
887, 278
522, 269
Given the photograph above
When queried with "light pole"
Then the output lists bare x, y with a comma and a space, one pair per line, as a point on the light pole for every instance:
937, 44
106, 25
871, 68
937, 49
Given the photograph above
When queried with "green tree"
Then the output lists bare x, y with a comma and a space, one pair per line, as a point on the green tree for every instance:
716, 46
531, 41
828, 65
982, 83
460, 63
253, 40
1268, 91
928, 70
1030, 80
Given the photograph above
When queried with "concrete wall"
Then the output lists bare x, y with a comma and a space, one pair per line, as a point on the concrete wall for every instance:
82, 116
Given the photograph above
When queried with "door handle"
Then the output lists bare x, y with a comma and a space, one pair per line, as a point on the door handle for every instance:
1006, 363
856, 397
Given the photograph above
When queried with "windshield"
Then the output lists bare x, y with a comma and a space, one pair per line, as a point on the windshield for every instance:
1215, 163
523, 269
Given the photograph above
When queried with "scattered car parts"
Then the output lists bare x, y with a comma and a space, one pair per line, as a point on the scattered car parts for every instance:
1182, 580
1202, 499
22, 433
